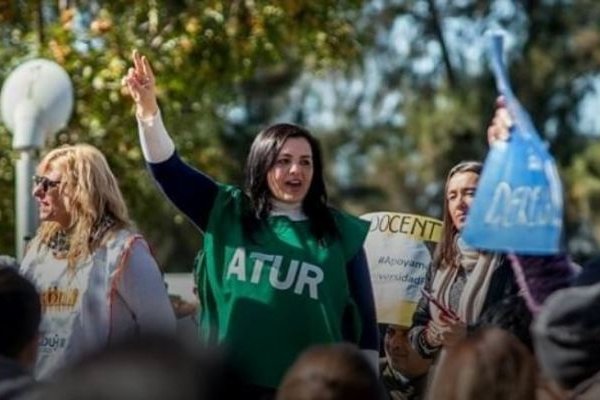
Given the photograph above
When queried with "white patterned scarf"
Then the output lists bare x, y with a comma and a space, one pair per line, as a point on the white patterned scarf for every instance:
480, 267
60, 243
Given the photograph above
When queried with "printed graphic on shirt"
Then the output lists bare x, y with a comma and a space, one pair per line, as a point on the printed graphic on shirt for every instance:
59, 299
279, 289
51, 343
58, 305
301, 277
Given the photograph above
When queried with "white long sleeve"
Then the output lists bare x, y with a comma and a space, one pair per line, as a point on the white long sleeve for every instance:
156, 143
142, 289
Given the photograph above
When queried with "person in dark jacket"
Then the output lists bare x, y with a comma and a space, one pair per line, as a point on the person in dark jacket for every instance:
20, 313
462, 282
566, 337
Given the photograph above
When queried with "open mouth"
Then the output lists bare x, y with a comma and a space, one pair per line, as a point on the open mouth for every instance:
294, 183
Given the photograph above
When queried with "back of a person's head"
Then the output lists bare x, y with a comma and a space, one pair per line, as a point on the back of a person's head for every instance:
589, 274
491, 364
20, 313
8, 262
330, 372
147, 368
510, 314
566, 335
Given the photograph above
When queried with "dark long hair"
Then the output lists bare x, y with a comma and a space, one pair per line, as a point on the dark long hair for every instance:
446, 250
262, 157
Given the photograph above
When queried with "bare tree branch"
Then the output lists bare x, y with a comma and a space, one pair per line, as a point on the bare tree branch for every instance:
437, 27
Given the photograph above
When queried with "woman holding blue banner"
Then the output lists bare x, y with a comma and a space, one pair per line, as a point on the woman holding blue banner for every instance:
462, 282
466, 287
518, 210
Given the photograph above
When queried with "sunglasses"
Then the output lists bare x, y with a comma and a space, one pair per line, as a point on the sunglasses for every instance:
45, 182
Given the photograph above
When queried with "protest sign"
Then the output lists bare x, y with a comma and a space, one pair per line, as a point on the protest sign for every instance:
399, 250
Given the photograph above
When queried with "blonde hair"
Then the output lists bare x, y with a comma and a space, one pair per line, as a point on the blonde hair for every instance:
93, 193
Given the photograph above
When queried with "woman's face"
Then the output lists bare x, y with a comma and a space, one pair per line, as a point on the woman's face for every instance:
459, 195
290, 177
52, 203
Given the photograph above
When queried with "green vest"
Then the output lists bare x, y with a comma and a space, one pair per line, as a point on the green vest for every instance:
269, 299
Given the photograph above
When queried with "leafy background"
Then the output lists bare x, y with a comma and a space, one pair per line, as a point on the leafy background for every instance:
397, 91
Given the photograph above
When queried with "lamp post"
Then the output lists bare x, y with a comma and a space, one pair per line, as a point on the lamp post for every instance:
36, 102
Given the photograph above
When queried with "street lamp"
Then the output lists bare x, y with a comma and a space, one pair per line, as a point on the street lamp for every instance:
36, 102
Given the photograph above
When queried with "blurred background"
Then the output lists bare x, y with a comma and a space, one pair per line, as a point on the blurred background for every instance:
397, 92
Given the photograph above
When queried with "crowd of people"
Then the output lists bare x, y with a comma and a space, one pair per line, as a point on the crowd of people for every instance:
286, 303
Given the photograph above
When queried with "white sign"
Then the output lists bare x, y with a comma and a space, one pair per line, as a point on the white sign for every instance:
398, 249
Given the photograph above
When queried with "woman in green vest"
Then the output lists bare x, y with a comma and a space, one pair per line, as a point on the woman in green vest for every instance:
280, 269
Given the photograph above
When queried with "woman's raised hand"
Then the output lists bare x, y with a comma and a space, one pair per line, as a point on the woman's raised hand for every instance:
499, 128
141, 84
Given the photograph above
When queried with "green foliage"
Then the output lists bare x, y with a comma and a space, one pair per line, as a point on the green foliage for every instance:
448, 100
215, 58
208, 56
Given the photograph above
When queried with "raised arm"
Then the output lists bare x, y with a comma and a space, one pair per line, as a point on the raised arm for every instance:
192, 192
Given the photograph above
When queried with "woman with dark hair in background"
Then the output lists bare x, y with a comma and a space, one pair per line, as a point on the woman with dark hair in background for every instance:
281, 270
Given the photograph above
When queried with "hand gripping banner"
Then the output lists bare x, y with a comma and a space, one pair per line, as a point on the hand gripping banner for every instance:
518, 206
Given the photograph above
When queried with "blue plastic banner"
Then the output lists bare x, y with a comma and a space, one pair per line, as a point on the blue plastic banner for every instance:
518, 206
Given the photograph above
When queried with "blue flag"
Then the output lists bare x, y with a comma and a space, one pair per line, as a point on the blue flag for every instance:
518, 206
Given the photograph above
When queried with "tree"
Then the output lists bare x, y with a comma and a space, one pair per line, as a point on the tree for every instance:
397, 90
426, 97
209, 57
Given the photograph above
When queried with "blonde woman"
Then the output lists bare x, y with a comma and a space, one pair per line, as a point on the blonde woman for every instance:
97, 279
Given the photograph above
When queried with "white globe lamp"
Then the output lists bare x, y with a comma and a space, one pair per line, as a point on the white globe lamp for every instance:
36, 102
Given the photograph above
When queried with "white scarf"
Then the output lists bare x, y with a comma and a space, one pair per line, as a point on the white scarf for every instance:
479, 267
